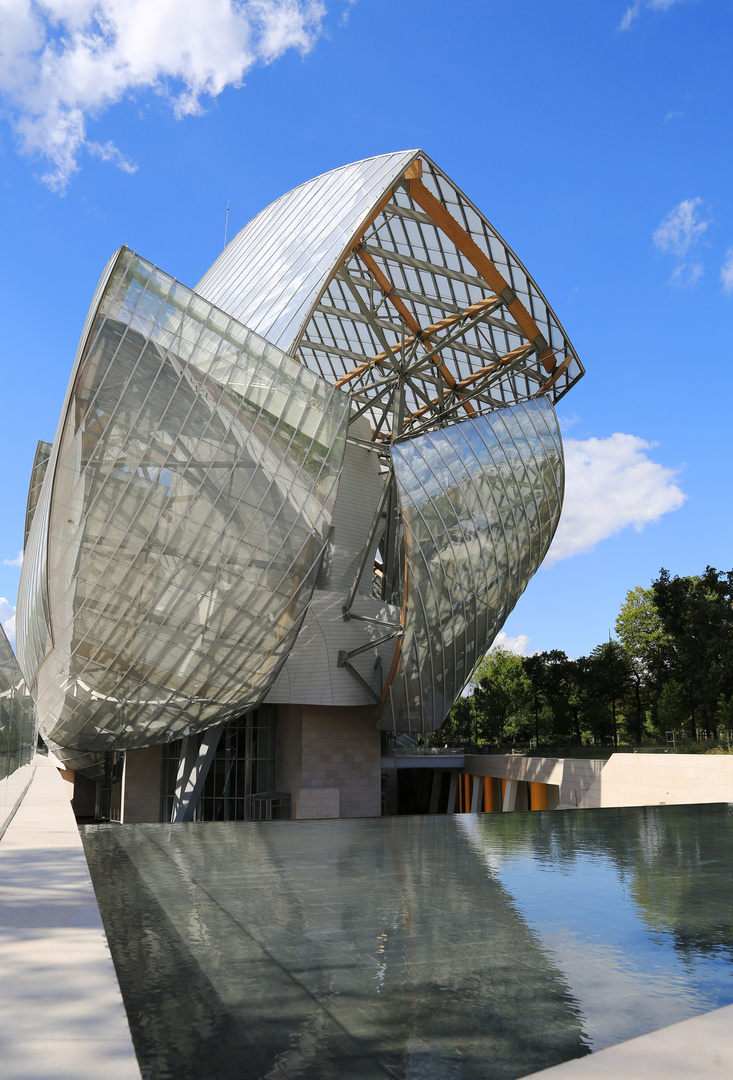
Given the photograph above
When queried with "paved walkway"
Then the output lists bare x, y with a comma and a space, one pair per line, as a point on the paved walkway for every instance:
61, 1012
697, 1049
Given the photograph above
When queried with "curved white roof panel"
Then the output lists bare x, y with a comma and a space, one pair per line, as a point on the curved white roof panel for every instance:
272, 272
385, 279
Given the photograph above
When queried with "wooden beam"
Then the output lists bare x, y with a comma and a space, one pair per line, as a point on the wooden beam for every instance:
388, 289
442, 324
414, 171
515, 354
481, 262
555, 375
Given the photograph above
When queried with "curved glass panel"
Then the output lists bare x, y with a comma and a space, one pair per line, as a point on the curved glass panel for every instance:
273, 271
17, 730
192, 495
40, 463
480, 502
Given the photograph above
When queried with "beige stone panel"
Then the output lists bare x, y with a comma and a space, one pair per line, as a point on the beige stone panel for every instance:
141, 785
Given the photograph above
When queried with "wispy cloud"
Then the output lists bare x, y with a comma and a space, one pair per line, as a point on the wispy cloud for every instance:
346, 13
629, 15
610, 484
686, 274
678, 234
726, 272
63, 62
634, 10
17, 561
7, 618
681, 229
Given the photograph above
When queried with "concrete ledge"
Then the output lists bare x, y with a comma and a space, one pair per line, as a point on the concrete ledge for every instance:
700, 1048
61, 1011
653, 779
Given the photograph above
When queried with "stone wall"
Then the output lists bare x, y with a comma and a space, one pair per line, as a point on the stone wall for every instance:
330, 748
141, 783
653, 779
572, 777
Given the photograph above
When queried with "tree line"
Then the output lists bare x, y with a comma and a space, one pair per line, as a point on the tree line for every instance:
669, 669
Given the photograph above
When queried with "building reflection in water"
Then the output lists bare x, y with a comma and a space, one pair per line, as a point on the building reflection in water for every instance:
463, 946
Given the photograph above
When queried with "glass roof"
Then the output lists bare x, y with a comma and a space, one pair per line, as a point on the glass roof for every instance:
384, 278
274, 269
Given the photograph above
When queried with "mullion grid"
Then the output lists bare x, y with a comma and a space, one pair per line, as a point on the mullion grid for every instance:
490, 532
235, 677
234, 648
257, 366
436, 547
323, 418
459, 485
173, 694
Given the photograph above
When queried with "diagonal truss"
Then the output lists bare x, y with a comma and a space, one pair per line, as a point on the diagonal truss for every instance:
430, 316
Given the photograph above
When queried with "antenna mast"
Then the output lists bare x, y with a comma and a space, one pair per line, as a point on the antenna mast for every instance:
226, 224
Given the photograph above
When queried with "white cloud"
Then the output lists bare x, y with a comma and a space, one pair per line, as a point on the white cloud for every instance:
687, 274
635, 9
678, 234
346, 13
517, 645
610, 483
17, 561
63, 62
629, 15
7, 618
109, 152
726, 272
681, 229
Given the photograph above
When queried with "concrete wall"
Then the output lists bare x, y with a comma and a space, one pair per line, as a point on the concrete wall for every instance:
650, 779
572, 776
141, 782
329, 749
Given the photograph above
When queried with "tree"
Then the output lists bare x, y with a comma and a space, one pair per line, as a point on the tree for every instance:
697, 616
503, 696
609, 675
641, 633
553, 678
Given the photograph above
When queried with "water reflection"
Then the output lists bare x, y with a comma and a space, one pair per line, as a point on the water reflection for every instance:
632, 904
324, 949
436, 947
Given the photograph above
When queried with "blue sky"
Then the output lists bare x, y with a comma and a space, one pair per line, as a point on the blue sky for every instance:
595, 136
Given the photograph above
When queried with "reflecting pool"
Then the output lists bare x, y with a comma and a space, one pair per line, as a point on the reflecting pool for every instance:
429, 948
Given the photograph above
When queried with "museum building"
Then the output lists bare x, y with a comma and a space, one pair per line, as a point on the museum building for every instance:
286, 513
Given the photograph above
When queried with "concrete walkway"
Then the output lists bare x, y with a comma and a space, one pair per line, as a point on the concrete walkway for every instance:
61, 1011
700, 1048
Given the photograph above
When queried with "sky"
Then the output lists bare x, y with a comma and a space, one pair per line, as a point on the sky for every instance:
596, 137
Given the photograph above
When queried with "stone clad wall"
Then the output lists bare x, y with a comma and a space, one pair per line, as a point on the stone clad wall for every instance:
329, 748
571, 776
650, 779
141, 782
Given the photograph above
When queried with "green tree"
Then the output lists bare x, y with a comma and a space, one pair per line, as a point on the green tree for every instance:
503, 697
609, 678
640, 630
697, 616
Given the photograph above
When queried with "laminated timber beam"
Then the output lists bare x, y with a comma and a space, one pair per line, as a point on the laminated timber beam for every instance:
481, 262
442, 324
388, 289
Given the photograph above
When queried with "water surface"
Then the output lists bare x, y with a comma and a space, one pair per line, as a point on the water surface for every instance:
435, 948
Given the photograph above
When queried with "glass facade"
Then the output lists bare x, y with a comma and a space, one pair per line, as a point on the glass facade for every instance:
17, 731
198, 507
243, 766
181, 523
480, 503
